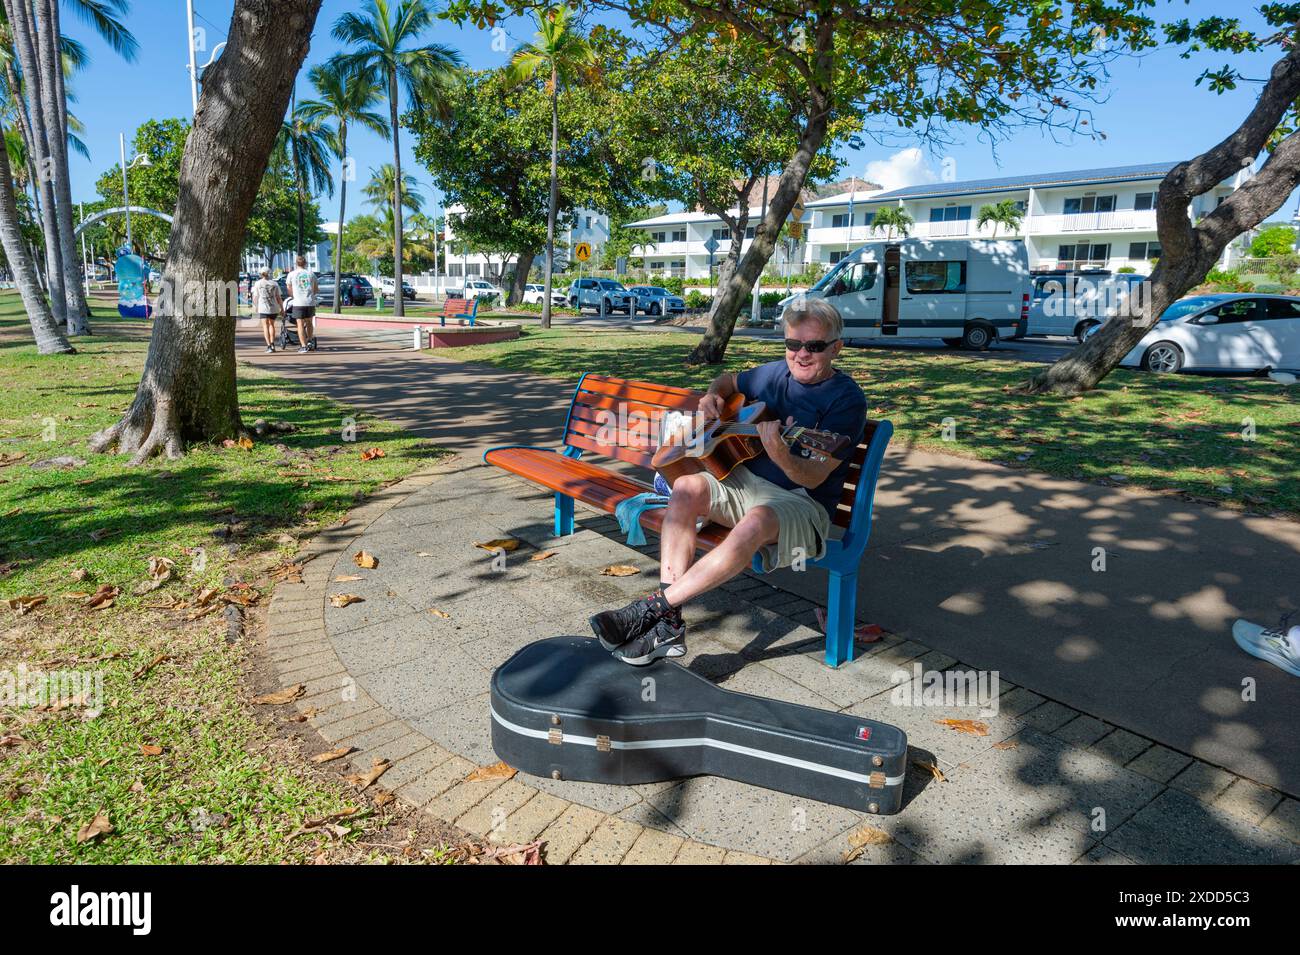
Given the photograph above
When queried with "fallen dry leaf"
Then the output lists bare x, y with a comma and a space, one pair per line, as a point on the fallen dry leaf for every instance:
440, 613
383, 798
11, 740
99, 826
543, 555
364, 781
149, 749
246, 442
518, 854
280, 697
206, 596
348, 578
620, 570
102, 598
342, 600
499, 543
330, 755
160, 571
369, 454
970, 727
862, 837
25, 605
365, 560
79, 574
137, 787
495, 771
931, 768
1007, 744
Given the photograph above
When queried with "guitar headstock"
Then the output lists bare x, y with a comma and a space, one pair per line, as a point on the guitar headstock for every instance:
822, 444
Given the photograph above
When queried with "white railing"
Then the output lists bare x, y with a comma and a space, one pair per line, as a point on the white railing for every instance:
1121, 220
942, 230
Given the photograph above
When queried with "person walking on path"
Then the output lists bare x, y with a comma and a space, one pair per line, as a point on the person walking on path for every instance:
267, 306
303, 288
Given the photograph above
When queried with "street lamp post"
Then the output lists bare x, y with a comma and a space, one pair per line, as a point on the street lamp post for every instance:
143, 160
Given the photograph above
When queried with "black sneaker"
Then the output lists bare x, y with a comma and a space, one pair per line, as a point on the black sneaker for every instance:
665, 639
616, 627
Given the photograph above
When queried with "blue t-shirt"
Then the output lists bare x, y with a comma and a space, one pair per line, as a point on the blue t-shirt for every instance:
836, 404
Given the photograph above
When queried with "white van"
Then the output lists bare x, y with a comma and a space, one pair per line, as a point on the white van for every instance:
967, 292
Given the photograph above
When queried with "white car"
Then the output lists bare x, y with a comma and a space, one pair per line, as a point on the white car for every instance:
1228, 332
478, 288
534, 292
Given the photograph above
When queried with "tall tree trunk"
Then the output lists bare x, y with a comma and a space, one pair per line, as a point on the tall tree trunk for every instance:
522, 268
399, 306
188, 391
1188, 251
49, 340
343, 205
554, 200
733, 294
54, 101
23, 31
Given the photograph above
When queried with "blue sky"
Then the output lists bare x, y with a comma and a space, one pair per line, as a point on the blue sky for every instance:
1153, 111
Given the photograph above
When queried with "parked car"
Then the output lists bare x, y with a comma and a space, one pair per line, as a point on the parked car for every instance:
1225, 332
478, 288
357, 289
1071, 303
387, 284
654, 300
593, 293
534, 292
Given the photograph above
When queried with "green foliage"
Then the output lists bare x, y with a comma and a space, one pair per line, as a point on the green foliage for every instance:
770, 299
697, 299
1126, 270
1282, 268
1270, 288
1272, 241
1005, 214
155, 186
893, 222
672, 284
1227, 280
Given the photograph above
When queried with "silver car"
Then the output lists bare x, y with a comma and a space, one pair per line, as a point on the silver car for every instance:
593, 293
654, 300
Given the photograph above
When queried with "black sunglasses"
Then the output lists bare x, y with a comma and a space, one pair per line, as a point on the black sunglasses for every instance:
814, 347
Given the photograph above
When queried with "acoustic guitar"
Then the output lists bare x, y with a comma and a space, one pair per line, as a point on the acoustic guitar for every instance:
724, 443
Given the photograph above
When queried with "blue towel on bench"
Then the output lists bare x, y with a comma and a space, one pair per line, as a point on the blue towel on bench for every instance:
629, 515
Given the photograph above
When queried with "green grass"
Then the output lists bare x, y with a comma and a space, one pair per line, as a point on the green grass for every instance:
1176, 433
221, 790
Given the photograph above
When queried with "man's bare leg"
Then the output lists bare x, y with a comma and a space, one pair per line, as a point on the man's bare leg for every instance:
733, 555
687, 504
303, 326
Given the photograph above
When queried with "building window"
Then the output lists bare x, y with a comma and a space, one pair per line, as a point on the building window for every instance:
656, 265
749, 232
1078, 204
868, 218
1144, 201
936, 277
1022, 206
722, 235
588, 222
679, 235
841, 221
1083, 253
950, 214
658, 236
1144, 250
453, 270
473, 269
837, 255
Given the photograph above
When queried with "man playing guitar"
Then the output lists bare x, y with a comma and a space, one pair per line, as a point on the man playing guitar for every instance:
778, 504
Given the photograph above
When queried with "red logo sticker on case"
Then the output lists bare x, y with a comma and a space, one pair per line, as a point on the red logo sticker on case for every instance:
864, 732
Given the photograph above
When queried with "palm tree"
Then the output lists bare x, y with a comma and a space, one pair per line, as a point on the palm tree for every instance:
49, 340
561, 54
306, 145
344, 98
891, 218
1005, 213
383, 38
382, 187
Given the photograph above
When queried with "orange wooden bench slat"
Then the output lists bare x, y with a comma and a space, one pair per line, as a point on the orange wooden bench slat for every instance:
665, 396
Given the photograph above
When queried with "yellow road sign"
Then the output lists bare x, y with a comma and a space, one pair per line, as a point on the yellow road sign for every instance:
582, 251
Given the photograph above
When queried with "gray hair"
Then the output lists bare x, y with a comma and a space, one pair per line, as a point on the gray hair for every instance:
804, 308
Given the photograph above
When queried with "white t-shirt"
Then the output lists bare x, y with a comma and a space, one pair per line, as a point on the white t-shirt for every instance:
300, 284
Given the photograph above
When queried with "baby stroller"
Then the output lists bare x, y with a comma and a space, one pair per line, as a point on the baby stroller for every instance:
288, 337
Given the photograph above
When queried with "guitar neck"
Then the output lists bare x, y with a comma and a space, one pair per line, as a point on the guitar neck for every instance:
737, 429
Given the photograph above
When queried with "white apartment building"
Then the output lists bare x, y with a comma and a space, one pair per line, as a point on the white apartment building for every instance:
588, 226
1091, 218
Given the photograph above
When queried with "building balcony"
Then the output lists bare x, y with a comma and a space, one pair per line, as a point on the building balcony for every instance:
1121, 220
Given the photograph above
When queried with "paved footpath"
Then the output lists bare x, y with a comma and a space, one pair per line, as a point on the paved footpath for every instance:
1121, 697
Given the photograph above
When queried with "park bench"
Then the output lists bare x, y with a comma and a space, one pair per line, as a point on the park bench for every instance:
454, 307
589, 420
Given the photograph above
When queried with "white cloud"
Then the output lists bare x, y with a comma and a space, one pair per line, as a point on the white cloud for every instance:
907, 167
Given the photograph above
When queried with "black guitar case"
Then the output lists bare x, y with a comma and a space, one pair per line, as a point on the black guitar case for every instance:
565, 708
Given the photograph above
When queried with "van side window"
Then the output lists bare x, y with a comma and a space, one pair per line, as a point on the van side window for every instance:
936, 277
858, 277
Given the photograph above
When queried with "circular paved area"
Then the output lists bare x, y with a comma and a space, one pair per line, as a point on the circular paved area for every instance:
403, 675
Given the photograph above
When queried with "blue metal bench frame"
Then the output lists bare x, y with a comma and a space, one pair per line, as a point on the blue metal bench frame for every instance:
843, 555
473, 312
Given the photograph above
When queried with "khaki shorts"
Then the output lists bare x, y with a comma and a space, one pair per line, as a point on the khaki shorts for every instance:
804, 524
